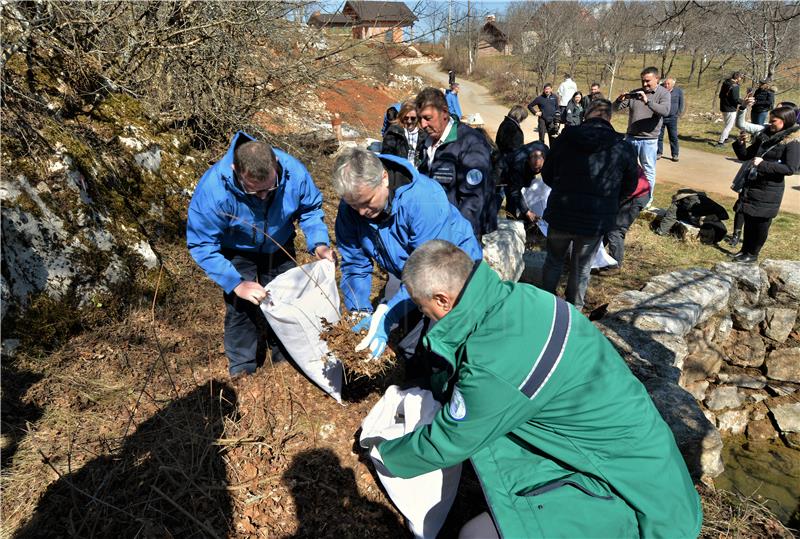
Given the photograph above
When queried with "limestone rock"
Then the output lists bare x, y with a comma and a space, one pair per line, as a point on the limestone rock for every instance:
745, 349
503, 249
778, 323
759, 411
704, 359
741, 378
787, 415
733, 421
784, 365
749, 284
698, 440
761, 430
784, 280
149, 160
647, 353
724, 397
533, 262
696, 389
747, 318
674, 302
723, 330
782, 389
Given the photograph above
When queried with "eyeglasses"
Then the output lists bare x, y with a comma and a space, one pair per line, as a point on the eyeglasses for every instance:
258, 191
410, 119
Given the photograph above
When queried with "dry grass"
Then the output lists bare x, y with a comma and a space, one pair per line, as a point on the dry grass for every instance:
730, 515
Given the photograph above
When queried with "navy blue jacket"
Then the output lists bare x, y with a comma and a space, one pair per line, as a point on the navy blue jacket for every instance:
463, 167
547, 104
418, 211
590, 168
677, 104
222, 216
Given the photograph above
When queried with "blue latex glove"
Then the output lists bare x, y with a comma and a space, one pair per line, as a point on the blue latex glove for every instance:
378, 334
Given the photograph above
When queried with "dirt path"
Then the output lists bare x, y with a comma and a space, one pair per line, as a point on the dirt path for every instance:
696, 169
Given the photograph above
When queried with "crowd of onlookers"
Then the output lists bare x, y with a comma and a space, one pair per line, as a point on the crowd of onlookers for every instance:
576, 127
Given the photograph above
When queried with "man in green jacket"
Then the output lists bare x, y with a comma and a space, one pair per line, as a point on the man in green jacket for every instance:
565, 440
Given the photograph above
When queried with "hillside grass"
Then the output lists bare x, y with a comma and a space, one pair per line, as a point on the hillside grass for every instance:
512, 82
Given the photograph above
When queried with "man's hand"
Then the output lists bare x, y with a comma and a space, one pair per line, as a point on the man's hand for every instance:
532, 217
323, 252
622, 97
378, 334
749, 101
539, 113
643, 96
742, 138
251, 291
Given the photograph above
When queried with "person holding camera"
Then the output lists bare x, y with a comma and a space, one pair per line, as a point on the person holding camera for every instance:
646, 108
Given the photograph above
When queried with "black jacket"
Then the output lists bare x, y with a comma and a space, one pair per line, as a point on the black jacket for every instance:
396, 143
590, 169
515, 173
729, 96
761, 196
574, 114
509, 136
764, 100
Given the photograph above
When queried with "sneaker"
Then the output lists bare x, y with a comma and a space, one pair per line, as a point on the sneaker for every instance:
675, 159
719, 145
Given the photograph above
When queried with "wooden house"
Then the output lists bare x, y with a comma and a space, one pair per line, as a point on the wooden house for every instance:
379, 20
493, 39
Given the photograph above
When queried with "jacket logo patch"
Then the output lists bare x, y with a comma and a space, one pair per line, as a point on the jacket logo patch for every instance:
458, 408
474, 177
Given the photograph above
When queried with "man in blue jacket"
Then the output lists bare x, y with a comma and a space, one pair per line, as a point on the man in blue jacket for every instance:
240, 231
452, 101
387, 210
460, 159
676, 109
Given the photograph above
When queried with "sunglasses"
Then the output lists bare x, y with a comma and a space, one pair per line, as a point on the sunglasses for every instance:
410, 119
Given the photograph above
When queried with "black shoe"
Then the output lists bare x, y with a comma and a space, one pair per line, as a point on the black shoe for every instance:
610, 270
733, 239
745, 258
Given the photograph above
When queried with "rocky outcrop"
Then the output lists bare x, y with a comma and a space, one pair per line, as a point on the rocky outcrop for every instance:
503, 249
718, 351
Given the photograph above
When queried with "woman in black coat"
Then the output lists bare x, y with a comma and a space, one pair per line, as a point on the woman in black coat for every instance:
509, 134
775, 152
763, 101
404, 135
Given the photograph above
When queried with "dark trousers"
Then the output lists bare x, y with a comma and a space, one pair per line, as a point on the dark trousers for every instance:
546, 127
615, 238
244, 322
412, 327
756, 230
671, 126
583, 249
738, 222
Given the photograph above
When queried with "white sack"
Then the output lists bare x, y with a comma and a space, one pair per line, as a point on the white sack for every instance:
294, 309
426, 499
535, 198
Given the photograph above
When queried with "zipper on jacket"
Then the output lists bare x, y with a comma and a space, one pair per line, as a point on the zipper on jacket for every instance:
561, 483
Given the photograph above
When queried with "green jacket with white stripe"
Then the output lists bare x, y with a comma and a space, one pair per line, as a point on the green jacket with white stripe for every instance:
565, 440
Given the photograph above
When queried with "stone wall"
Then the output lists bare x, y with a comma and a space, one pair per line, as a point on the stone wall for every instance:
719, 352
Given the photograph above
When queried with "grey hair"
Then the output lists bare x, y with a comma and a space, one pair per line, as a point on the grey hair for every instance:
518, 113
436, 266
356, 167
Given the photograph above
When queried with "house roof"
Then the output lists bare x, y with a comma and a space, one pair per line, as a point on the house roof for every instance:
496, 28
379, 11
329, 19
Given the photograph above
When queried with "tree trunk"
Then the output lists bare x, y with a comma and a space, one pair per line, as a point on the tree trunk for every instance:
691, 69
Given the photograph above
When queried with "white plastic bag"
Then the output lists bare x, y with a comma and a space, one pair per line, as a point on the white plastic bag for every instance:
426, 499
535, 198
294, 310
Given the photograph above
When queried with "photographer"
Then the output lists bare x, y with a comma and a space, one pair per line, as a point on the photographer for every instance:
646, 108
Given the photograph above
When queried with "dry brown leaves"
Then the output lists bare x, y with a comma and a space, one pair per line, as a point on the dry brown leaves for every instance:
342, 342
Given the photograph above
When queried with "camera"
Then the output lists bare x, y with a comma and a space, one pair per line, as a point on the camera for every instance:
633, 95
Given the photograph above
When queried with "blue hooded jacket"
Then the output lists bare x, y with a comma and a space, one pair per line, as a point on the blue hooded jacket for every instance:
222, 216
419, 211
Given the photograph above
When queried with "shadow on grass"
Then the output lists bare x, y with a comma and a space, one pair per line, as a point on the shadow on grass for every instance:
14, 411
167, 479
